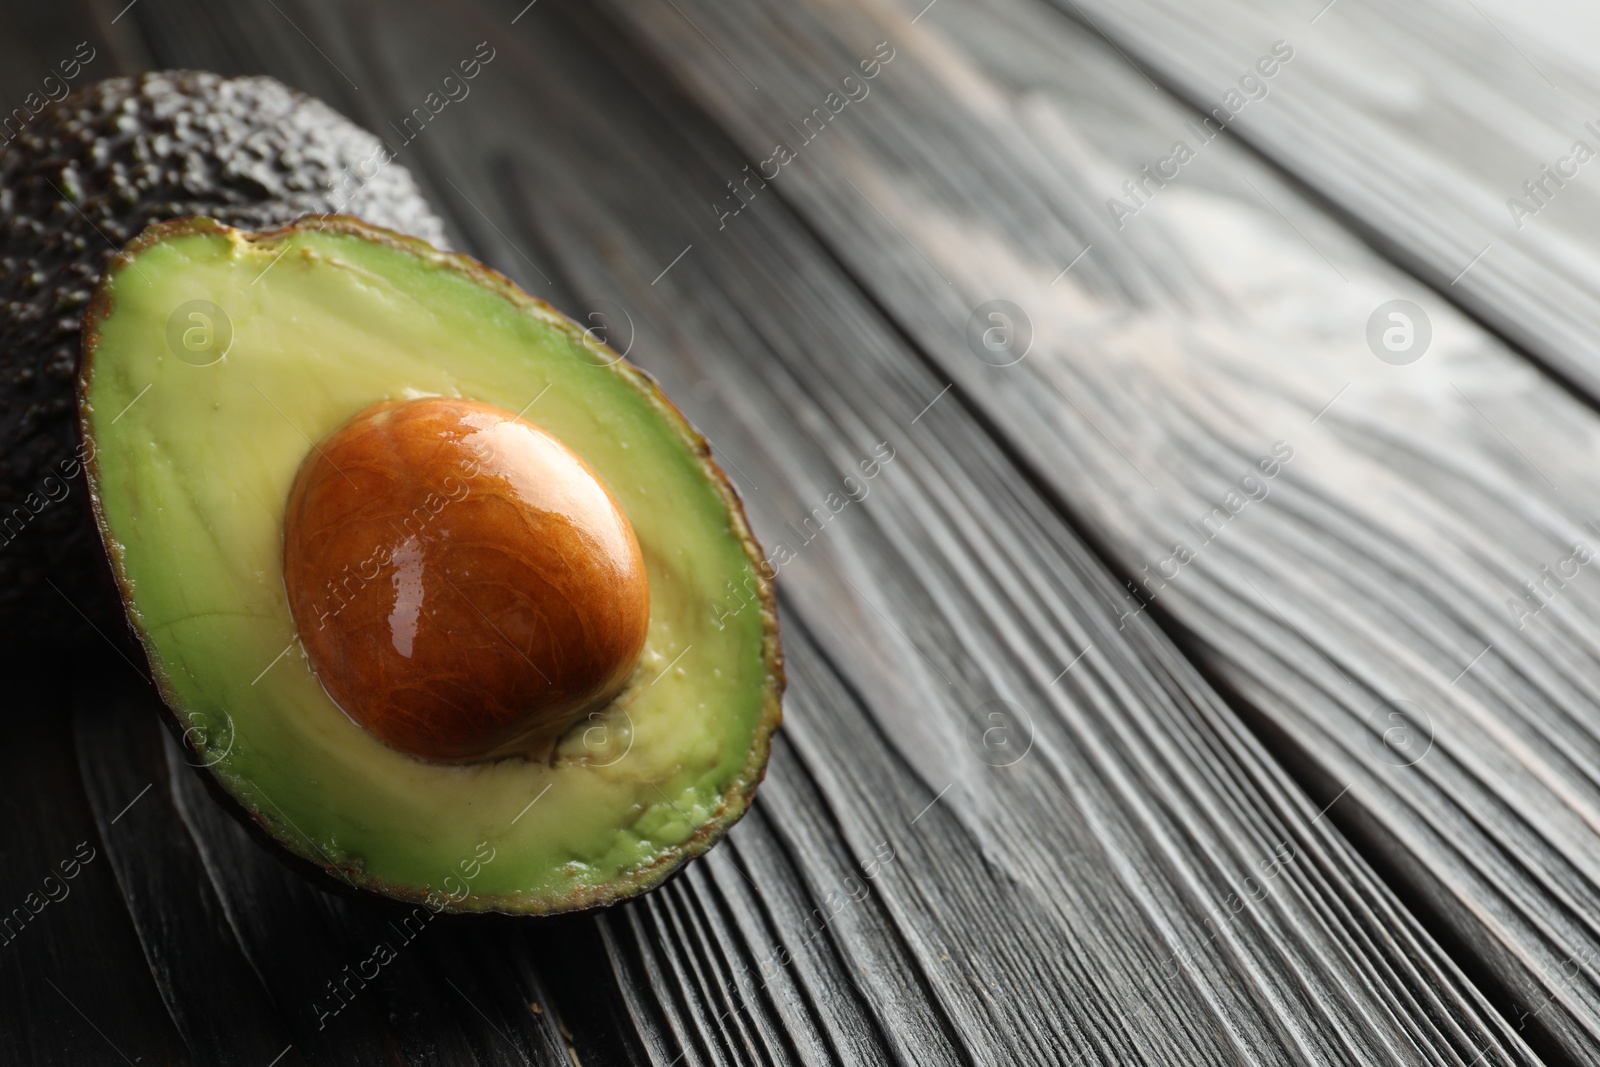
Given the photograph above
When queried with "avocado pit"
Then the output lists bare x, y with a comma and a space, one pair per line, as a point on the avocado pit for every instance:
465, 587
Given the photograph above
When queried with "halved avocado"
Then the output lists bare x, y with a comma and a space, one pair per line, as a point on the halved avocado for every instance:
196, 438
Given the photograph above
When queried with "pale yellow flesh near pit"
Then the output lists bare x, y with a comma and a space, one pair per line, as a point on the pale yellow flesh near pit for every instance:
194, 466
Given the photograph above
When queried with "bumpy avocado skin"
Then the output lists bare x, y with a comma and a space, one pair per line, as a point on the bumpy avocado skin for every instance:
76, 185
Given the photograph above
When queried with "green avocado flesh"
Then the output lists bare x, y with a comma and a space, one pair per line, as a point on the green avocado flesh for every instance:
193, 460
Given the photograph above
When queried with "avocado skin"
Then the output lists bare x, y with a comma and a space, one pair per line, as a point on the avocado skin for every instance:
129, 152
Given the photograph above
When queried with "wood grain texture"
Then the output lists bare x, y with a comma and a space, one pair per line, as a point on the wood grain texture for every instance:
1420, 123
1227, 315
1144, 883
76, 987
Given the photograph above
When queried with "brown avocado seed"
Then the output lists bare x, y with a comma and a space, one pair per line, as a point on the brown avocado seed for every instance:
465, 586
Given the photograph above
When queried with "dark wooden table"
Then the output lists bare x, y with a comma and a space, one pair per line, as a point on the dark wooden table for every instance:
1202, 681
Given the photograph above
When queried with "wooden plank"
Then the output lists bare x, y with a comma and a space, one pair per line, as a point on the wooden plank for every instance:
1420, 122
802, 348
1230, 314
45, 54
209, 989
75, 985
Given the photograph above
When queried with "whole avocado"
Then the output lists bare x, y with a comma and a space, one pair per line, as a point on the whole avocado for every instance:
77, 184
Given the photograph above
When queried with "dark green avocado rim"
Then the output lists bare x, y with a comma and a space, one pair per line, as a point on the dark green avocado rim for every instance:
735, 800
